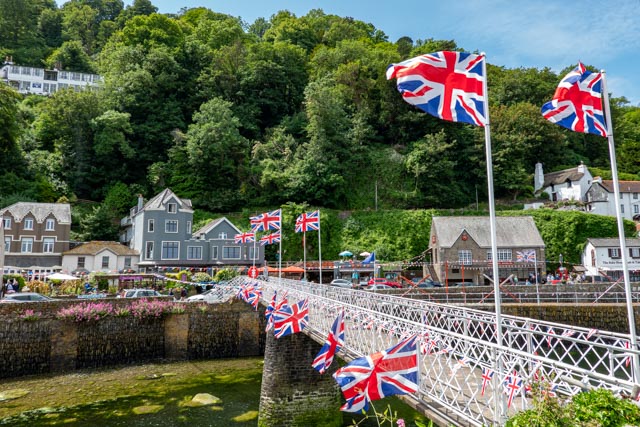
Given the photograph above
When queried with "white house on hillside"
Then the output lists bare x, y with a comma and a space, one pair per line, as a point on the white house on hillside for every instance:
106, 257
568, 184
600, 198
602, 256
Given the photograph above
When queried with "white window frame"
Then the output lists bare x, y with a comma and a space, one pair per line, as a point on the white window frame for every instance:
170, 221
504, 255
166, 242
214, 252
50, 224
7, 243
48, 244
148, 250
6, 222
226, 249
634, 252
253, 252
172, 208
26, 245
82, 261
102, 262
222, 235
188, 227
127, 261
27, 224
151, 226
465, 257
192, 255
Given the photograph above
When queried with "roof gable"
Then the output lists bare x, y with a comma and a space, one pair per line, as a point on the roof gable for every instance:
511, 232
560, 177
624, 186
160, 200
40, 211
211, 226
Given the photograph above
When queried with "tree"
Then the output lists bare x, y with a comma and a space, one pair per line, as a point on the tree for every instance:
71, 56
79, 24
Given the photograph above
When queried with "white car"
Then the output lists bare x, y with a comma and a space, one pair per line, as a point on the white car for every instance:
341, 283
211, 296
140, 293
378, 287
25, 297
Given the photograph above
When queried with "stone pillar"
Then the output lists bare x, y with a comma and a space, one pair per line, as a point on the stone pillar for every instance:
293, 393
176, 336
64, 345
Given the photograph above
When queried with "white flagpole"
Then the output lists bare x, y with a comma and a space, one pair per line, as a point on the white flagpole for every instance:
621, 236
254, 249
304, 245
319, 247
492, 224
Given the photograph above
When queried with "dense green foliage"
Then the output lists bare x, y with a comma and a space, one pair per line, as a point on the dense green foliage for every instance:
593, 408
285, 110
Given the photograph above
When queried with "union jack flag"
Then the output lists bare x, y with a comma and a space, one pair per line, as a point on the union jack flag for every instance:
277, 306
577, 103
487, 375
268, 312
270, 239
245, 237
335, 341
291, 319
382, 374
448, 85
266, 221
309, 221
526, 256
512, 385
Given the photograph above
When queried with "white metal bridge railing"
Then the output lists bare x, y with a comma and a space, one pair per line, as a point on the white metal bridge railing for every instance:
458, 345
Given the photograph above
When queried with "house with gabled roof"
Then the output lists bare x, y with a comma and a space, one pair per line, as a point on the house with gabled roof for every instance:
602, 256
161, 231
567, 184
106, 257
35, 234
460, 248
600, 198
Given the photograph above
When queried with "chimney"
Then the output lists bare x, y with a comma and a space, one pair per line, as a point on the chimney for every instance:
582, 168
140, 202
538, 178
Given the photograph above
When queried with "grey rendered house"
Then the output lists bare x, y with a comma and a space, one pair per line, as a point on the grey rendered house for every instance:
36, 235
161, 231
460, 248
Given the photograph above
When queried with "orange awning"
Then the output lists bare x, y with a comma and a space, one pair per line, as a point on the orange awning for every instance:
293, 269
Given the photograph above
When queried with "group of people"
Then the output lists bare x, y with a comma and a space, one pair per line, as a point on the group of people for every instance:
10, 287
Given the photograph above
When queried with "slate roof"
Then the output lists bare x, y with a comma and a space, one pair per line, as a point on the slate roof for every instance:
613, 242
159, 201
213, 224
511, 231
95, 247
61, 211
560, 177
624, 186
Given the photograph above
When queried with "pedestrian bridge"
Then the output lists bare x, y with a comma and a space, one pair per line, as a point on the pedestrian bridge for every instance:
463, 373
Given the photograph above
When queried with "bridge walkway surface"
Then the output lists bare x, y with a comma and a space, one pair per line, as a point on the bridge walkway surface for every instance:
463, 373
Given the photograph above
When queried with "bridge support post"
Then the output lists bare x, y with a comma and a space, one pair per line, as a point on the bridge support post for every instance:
293, 393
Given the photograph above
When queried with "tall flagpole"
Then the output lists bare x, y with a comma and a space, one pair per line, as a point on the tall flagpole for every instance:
304, 250
621, 236
319, 247
499, 402
254, 249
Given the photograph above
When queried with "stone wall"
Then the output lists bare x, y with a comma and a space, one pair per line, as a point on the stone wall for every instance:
52, 345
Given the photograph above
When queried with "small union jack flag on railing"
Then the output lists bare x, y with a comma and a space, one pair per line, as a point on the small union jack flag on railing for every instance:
512, 386
487, 375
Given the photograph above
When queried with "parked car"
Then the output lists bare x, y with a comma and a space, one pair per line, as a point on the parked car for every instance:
139, 293
210, 296
383, 281
341, 283
25, 297
426, 283
378, 287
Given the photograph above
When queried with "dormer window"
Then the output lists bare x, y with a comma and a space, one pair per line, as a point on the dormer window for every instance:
222, 235
28, 224
50, 224
172, 207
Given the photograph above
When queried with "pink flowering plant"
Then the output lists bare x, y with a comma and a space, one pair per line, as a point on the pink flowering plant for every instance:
150, 308
86, 311
30, 315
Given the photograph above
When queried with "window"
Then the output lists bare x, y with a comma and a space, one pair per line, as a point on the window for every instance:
170, 250
503, 255
171, 226
634, 252
222, 235
48, 244
172, 208
635, 196
253, 252
148, 253
105, 261
214, 252
231, 252
194, 252
6, 221
28, 224
150, 226
80, 262
635, 209
27, 245
50, 224
621, 206
7, 244
614, 252
188, 227
465, 257
127, 262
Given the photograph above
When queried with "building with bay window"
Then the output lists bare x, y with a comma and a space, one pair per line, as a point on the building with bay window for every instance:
460, 249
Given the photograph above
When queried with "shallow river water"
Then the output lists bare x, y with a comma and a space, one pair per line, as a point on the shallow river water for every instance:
154, 394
